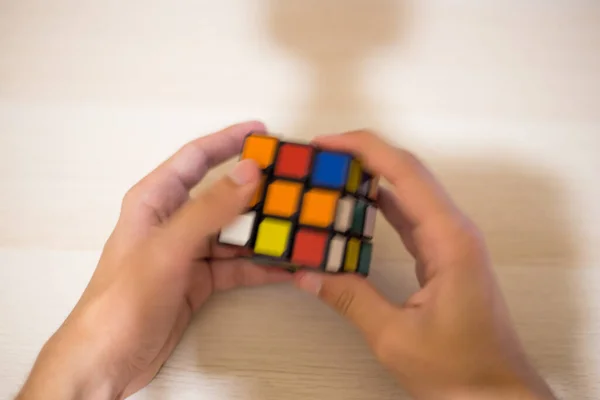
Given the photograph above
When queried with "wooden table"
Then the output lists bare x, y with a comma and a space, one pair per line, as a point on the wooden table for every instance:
502, 99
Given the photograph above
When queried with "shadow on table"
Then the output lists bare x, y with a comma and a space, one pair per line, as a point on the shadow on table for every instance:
521, 211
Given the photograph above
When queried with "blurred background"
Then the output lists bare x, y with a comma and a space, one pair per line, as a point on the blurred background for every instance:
501, 99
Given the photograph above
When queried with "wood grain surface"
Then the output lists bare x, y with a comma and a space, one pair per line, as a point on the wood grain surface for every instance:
501, 99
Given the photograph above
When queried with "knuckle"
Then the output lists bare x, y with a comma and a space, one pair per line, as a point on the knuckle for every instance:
132, 197
468, 243
195, 151
344, 302
406, 165
409, 159
166, 254
190, 147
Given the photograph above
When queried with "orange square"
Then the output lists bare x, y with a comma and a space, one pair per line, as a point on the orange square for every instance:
260, 149
260, 191
282, 198
318, 207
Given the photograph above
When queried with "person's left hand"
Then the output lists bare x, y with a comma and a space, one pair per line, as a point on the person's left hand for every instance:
158, 267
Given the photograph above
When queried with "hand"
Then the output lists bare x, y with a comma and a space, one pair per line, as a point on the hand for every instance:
453, 339
157, 268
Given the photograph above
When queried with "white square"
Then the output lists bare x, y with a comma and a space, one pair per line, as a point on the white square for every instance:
238, 233
336, 253
344, 213
370, 221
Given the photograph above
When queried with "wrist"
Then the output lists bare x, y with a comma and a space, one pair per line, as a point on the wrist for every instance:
68, 368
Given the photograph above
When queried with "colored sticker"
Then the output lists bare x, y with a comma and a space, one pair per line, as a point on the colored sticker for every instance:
273, 237
330, 170
359, 218
353, 177
344, 214
309, 248
369, 227
238, 233
293, 161
282, 198
352, 250
364, 261
260, 149
318, 208
335, 255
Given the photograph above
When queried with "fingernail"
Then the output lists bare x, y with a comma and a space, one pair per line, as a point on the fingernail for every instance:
311, 282
243, 173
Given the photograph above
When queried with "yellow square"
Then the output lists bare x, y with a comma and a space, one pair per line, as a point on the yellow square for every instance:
273, 237
352, 250
260, 149
354, 177
282, 198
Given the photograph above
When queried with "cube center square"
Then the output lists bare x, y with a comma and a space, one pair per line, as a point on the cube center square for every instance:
273, 237
293, 161
330, 170
261, 149
318, 208
282, 198
314, 208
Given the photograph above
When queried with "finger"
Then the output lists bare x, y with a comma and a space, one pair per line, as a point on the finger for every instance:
390, 209
230, 274
218, 251
219, 275
352, 297
420, 197
166, 188
214, 208
388, 204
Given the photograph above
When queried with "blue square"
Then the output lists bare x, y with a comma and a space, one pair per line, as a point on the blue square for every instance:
330, 170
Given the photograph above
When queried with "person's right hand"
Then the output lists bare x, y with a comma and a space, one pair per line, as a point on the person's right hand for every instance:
453, 339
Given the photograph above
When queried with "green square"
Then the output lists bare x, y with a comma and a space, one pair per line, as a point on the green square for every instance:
364, 261
359, 218
273, 237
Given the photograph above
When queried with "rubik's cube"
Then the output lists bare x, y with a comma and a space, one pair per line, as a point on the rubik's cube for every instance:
314, 208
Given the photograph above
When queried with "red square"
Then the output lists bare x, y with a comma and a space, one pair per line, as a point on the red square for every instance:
293, 160
309, 247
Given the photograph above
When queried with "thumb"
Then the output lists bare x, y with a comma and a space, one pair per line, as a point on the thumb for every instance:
215, 207
353, 297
